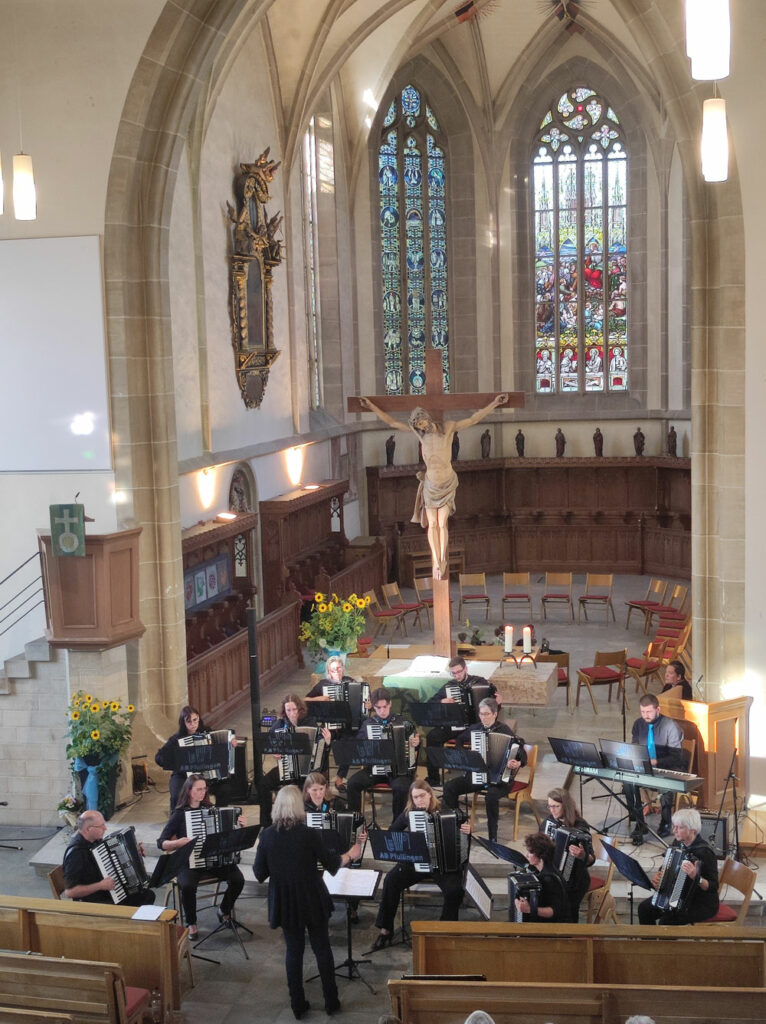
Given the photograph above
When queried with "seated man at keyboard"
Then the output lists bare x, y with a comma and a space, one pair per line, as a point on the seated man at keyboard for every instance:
662, 737
82, 874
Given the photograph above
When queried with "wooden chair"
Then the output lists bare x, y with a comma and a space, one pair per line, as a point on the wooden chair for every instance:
601, 874
520, 795
742, 878
674, 609
608, 668
558, 590
562, 663
655, 595
517, 591
424, 588
598, 591
473, 588
648, 666
394, 600
57, 882
384, 616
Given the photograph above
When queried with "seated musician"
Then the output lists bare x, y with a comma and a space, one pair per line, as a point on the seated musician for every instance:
663, 737
315, 798
702, 866
459, 671
676, 683
334, 673
488, 711
292, 714
364, 779
189, 724
83, 877
552, 903
174, 835
563, 813
402, 876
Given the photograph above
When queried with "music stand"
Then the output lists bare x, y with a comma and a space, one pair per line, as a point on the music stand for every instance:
335, 712
440, 715
218, 844
399, 848
629, 868
283, 743
352, 885
364, 751
501, 852
203, 757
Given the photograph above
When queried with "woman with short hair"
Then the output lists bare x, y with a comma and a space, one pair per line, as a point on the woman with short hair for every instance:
552, 903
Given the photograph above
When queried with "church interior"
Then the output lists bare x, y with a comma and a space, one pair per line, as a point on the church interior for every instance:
251, 219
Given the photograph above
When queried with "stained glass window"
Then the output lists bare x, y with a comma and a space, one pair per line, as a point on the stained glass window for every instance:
412, 175
579, 184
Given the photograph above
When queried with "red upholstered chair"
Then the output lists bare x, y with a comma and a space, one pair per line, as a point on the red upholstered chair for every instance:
383, 617
517, 591
473, 590
738, 877
598, 591
558, 590
674, 609
601, 874
562, 670
655, 595
521, 790
608, 669
650, 665
393, 598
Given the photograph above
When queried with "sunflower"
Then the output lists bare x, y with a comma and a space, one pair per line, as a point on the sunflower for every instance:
131, 708
318, 597
323, 607
95, 735
75, 715
330, 606
367, 601
347, 606
88, 698
95, 708
361, 603
115, 706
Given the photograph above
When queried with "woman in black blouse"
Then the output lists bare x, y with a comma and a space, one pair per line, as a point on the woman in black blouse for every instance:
299, 902
189, 724
193, 796
563, 813
552, 904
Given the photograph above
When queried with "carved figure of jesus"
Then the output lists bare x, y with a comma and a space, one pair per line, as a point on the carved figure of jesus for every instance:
435, 500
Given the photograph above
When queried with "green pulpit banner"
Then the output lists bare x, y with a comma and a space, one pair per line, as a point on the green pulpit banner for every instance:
68, 530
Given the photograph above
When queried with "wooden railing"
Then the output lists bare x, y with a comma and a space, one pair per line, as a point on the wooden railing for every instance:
219, 679
366, 571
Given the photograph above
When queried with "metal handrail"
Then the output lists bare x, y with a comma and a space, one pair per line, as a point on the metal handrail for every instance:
36, 581
14, 571
2, 632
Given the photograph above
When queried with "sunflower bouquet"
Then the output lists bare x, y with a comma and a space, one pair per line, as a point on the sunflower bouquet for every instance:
99, 732
334, 623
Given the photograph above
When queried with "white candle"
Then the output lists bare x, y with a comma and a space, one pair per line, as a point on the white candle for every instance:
527, 640
509, 639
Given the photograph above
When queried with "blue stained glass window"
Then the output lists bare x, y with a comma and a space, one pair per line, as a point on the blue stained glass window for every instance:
412, 174
579, 190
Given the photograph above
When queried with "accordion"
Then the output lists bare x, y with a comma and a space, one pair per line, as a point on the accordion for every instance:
564, 838
295, 767
205, 752
497, 749
523, 885
208, 821
118, 858
356, 695
346, 823
405, 755
447, 846
470, 698
674, 886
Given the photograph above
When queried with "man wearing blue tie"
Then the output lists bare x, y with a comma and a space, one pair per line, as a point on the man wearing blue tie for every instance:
662, 737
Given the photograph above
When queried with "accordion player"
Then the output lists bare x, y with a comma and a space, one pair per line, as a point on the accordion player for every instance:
464, 689
337, 686
546, 904
687, 883
105, 869
569, 831
190, 724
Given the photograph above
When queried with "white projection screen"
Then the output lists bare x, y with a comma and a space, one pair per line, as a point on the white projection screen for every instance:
52, 346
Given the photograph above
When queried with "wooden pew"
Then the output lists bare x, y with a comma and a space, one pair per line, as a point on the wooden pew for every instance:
445, 1002
51, 988
147, 951
592, 954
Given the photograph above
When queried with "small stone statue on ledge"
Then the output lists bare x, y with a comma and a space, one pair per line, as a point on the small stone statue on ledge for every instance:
455, 447
520, 442
673, 442
390, 449
486, 443
561, 443
639, 441
598, 443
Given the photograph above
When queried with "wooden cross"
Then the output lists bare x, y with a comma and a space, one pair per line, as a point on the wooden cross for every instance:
436, 403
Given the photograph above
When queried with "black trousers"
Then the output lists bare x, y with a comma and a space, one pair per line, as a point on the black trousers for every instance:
636, 808
136, 899
267, 787
189, 879
402, 876
364, 779
437, 737
649, 914
295, 944
455, 788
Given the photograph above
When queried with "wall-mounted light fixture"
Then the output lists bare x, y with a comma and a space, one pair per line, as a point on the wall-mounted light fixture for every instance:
714, 145
206, 486
294, 465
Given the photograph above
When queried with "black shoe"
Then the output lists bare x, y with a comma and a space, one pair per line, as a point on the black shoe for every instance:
332, 1007
435, 781
381, 942
223, 918
638, 833
664, 830
354, 916
298, 1011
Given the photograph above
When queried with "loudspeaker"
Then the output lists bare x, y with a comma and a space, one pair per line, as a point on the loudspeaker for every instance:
716, 832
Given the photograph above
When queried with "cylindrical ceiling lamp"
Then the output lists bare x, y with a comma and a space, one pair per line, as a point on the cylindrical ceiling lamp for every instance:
714, 147
708, 38
24, 194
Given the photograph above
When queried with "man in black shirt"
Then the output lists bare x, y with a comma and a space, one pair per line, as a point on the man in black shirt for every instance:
81, 872
487, 723
465, 683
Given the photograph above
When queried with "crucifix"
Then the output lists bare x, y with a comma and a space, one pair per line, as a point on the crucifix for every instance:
435, 500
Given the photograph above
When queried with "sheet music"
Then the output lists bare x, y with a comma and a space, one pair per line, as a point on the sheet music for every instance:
395, 667
149, 912
352, 882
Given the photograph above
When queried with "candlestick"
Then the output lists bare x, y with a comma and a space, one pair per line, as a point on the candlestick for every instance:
508, 639
527, 640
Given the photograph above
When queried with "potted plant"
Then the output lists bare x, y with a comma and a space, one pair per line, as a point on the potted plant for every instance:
99, 733
334, 624
69, 808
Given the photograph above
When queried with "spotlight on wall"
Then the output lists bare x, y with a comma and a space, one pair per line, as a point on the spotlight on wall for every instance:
206, 487
294, 465
714, 147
